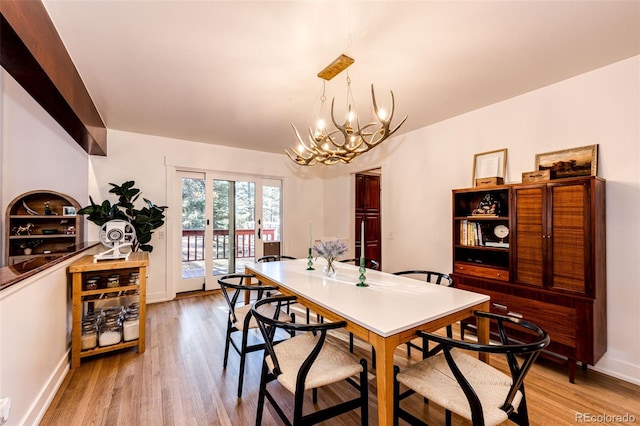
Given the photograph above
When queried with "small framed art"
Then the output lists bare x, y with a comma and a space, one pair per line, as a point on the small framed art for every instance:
68, 211
490, 164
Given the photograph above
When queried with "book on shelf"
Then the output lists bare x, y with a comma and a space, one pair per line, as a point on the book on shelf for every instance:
471, 233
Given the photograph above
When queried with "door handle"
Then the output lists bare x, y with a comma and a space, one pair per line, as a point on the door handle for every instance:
259, 233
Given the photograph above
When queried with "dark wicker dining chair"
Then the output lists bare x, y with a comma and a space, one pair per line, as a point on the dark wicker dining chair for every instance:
278, 258
274, 258
240, 320
462, 384
305, 362
434, 278
368, 263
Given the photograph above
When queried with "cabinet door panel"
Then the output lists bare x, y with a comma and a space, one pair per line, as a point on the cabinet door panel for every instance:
529, 235
568, 240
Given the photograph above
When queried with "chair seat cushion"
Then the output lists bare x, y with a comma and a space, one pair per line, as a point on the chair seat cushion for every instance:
433, 379
268, 310
332, 365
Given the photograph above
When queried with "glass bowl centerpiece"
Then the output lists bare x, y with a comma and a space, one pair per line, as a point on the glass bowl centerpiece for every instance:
330, 250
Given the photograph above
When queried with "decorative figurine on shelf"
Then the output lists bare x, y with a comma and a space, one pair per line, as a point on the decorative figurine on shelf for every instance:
29, 210
47, 209
18, 230
487, 206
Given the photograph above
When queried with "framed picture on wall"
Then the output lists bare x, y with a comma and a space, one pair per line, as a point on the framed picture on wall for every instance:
490, 164
581, 161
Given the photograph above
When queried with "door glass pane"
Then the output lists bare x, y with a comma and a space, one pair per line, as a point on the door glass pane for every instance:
221, 208
193, 224
245, 208
271, 202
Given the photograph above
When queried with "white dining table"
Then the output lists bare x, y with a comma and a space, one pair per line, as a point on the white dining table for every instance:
386, 314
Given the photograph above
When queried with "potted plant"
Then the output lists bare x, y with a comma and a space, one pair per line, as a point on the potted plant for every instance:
144, 220
29, 245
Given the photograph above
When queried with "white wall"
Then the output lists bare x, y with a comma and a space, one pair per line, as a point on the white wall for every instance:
36, 152
420, 169
34, 314
151, 161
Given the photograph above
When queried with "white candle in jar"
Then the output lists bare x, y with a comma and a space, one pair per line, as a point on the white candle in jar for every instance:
310, 234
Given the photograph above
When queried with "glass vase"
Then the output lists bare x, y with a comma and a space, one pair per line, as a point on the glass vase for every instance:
329, 270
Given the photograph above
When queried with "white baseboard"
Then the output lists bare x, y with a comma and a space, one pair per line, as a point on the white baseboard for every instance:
157, 297
619, 369
42, 401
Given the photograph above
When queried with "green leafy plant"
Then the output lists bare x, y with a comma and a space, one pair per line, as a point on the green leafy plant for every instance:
144, 220
28, 244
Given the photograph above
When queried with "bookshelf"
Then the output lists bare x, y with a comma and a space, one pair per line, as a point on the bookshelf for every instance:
42, 223
477, 248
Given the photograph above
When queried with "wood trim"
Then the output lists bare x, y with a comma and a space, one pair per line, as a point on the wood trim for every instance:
33, 53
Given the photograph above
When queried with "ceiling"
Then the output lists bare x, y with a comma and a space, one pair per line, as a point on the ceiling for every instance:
239, 73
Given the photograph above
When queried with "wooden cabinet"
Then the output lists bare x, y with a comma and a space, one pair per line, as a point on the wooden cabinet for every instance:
557, 266
86, 300
42, 223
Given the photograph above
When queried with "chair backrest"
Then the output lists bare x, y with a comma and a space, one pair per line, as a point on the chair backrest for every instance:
429, 276
273, 258
268, 258
268, 323
368, 263
529, 342
233, 285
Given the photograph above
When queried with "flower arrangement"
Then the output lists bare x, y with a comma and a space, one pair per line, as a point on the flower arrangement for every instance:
330, 250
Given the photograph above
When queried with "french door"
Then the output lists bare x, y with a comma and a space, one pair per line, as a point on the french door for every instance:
222, 224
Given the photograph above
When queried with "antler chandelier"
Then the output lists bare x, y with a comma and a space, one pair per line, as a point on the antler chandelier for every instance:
349, 139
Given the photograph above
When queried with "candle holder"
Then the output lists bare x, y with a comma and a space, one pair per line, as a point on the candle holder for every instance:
362, 277
310, 262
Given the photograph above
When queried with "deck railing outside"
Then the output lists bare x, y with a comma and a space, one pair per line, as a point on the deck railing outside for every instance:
193, 243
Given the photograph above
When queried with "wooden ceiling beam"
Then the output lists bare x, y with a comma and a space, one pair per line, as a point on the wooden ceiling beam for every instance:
33, 53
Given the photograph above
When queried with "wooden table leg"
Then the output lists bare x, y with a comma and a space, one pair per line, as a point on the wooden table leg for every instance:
247, 294
483, 330
385, 348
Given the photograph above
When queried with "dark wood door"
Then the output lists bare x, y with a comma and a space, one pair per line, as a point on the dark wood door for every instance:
368, 209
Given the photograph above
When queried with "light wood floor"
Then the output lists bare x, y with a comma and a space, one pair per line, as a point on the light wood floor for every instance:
179, 380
